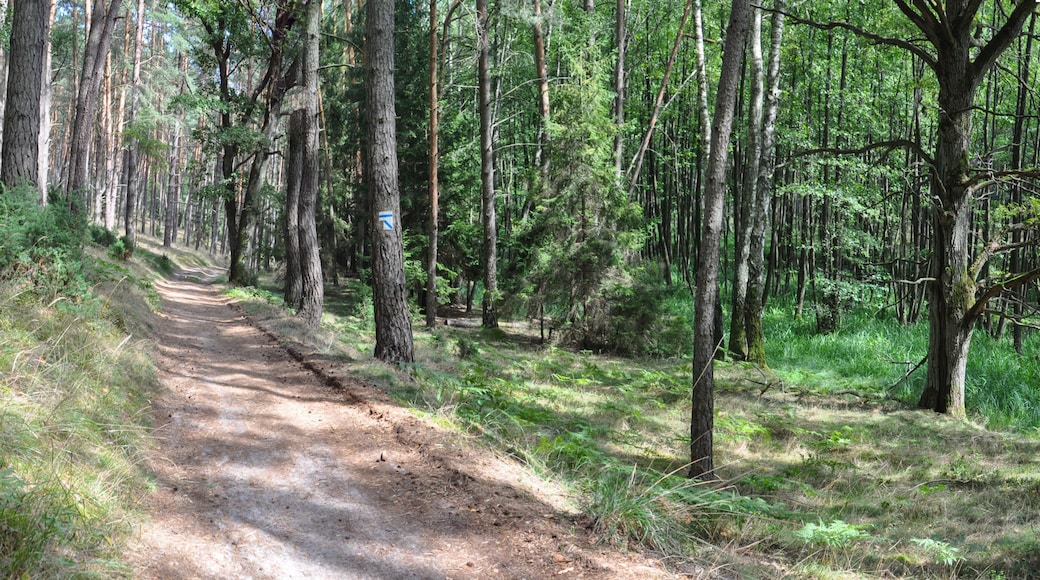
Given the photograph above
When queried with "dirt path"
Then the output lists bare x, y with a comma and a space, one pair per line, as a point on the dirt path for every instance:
266, 469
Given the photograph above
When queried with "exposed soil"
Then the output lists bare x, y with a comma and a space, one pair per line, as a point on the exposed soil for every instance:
270, 467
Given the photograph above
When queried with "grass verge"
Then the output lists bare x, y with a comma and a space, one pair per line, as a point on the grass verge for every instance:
74, 391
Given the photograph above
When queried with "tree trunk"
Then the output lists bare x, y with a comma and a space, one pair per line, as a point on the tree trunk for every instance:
621, 41
749, 200
959, 66
130, 159
46, 97
703, 399
310, 259
19, 160
393, 326
99, 39
173, 189
435, 160
541, 69
754, 302
433, 231
487, 171
293, 289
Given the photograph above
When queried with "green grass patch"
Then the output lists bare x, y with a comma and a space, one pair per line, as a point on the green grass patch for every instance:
818, 485
73, 429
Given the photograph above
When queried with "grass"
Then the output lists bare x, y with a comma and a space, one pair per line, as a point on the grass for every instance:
77, 375
817, 484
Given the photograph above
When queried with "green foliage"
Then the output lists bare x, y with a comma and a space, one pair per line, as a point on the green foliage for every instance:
41, 245
122, 249
72, 402
834, 535
102, 236
30, 522
938, 550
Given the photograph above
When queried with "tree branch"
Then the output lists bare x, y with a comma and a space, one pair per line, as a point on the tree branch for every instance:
1003, 38
862, 33
984, 179
888, 146
980, 305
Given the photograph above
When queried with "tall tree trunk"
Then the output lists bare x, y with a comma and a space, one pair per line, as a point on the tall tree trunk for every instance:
5, 19
959, 67
99, 40
621, 42
541, 70
393, 326
46, 97
487, 171
293, 289
19, 159
754, 302
433, 231
173, 189
131, 154
703, 399
749, 199
310, 259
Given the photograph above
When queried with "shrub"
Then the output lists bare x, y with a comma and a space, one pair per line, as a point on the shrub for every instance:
41, 244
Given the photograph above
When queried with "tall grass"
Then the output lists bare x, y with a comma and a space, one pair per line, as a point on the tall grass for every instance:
871, 352
73, 392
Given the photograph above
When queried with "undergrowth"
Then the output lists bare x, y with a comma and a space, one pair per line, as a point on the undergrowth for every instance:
815, 481
74, 386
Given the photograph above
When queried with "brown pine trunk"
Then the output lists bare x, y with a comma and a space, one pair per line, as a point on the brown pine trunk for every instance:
293, 289
310, 260
99, 40
19, 160
130, 159
393, 326
487, 171
703, 399
431, 258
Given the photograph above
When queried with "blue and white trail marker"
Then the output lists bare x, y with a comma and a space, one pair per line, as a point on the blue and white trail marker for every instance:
387, 219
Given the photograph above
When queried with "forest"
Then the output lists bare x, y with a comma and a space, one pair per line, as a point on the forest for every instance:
728, 269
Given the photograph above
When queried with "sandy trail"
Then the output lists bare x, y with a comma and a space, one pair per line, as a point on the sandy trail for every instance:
264, 470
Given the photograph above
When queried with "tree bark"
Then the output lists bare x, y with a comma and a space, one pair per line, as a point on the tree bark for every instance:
433, 231
749, 200
487, 171
754, 301
959, 67
46, 98
621, 41
310, 258
130, 157
293, 289
704, 345
99, 40
541, 70
393, 327
19, 159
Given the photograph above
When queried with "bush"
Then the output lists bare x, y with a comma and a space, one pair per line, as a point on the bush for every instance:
122, 249
41, 244
102, 236
637, 316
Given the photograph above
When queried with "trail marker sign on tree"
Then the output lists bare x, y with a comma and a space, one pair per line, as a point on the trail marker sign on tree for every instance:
387, 219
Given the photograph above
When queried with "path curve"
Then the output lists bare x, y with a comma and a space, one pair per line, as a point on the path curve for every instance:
264, 470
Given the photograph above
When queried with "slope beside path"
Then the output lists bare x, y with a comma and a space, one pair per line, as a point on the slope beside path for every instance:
266, 469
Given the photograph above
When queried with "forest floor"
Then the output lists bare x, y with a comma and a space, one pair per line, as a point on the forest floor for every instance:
267, 466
